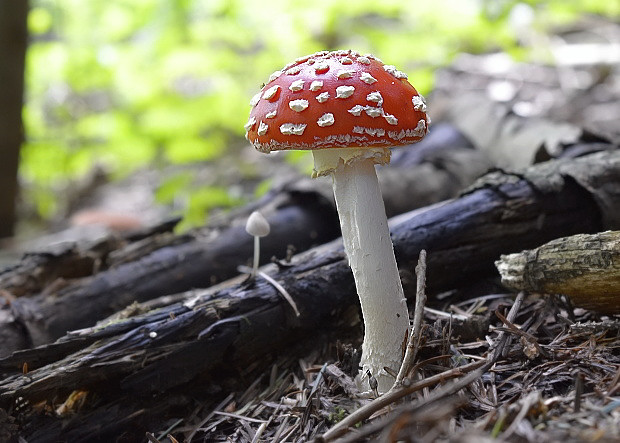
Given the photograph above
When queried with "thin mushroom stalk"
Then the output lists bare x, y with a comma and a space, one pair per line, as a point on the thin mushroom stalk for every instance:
349, 109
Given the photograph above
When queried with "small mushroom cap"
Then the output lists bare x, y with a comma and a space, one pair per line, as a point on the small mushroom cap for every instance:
337, 99
257, 225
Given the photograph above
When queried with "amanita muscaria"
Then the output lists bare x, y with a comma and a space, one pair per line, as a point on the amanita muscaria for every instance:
349, 109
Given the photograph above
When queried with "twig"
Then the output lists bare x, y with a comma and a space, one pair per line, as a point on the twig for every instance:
502, 337
275, 284
526, 405
449, 389
416, 329
208, 417
511, 327
239, 417
482, 366
367, 410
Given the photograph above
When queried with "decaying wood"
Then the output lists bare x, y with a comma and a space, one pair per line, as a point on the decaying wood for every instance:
179, 266
185, 338
74, 286
585, 267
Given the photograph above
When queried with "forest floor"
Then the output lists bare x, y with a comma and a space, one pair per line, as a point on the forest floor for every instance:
492, 365
558, 376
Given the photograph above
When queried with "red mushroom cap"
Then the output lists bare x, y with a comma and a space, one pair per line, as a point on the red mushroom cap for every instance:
337, 99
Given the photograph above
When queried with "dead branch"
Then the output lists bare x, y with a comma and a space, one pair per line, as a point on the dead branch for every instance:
585, 267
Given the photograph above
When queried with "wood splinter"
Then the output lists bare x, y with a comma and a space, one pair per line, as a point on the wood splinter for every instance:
584, 267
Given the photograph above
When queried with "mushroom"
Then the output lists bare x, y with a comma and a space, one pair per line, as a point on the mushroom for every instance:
349, 109
257, 226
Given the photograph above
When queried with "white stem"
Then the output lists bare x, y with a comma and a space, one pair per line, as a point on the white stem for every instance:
371, 256
256, 254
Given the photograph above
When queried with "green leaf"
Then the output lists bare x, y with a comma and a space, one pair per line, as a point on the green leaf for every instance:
172, 187
39, 20
193, 149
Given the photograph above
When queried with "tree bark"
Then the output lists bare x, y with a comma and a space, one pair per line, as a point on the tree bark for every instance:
13, 42
177, 341
584, 267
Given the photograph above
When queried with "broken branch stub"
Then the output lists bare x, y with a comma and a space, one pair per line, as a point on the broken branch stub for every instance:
584, 267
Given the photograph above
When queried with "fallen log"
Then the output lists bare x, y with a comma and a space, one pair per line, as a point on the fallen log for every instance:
585, 267
186, 339
72, 286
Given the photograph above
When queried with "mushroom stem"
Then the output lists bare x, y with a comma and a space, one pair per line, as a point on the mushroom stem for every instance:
370, 252
258, 227
256, 255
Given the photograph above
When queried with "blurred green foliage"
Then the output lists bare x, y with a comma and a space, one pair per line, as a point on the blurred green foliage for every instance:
146, 83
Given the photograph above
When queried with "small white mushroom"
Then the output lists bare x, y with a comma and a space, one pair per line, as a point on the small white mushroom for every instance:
258, 227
